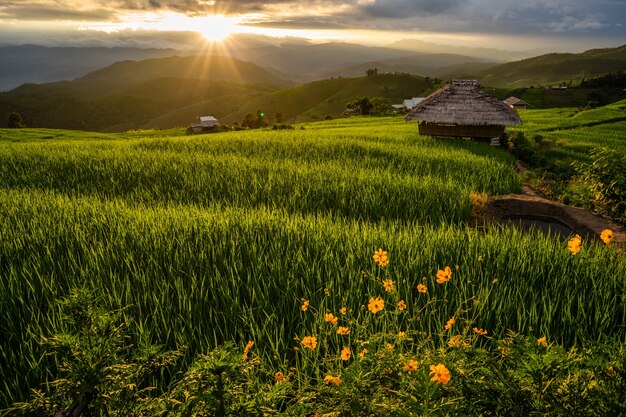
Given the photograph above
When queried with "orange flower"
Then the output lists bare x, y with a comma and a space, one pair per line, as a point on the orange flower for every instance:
380, 257
401, 334
363, 353
455, 341
480, 332
449, 324
376, 304
410, 366
422, 288
330, 318
309, 342
343, 311
440, 374
332, 380
346, 353
389, 285
305, 305
444, 276
279, 377
401, 305
389, 347
607, 236
344, 331
542, 341
246, 350
574, 244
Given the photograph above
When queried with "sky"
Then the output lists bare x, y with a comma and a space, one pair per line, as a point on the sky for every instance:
561, 25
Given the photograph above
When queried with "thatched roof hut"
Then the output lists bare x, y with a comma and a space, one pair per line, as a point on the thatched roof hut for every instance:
463, 109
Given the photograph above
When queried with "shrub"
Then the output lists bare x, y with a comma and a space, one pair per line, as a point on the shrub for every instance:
605, 178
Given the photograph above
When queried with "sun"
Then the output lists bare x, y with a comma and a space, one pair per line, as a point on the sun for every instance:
212, 27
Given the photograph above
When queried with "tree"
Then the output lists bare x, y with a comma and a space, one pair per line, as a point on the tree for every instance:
380, 106
371, 72
279, 118
16, 121
360, 106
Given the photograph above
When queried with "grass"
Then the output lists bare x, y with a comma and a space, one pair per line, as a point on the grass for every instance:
219, 237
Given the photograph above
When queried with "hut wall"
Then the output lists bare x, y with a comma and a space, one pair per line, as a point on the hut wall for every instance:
433, 129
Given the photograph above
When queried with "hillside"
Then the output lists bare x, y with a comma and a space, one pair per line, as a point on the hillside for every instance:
426, 65
39, 64
313, 101
555, 67
130, 94
169, 92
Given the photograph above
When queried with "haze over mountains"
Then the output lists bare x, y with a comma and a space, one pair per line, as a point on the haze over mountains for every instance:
298, 60
165, 91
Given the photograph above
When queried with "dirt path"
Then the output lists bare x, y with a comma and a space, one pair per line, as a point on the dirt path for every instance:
530, 205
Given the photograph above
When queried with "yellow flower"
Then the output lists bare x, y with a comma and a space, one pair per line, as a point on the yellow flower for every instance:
389, 285
363, 353
389, 347
574, 244
343, 311
332, 380
380, 257
279, 377
444, 276
309, 342
345, 353
480, 332
330, 318
305, 305
422, 288
326, 292
376, 304
607, 236
344, 331
455, 341
440, 374
401, 334
449, 324
542, 341
410, 366
246, 350
401, 305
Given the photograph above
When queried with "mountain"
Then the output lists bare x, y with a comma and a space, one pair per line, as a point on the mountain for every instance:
310, 61
315, 100
40, 64
215, 68
151, 94
427, 65
130, 94
555, 67
482, 54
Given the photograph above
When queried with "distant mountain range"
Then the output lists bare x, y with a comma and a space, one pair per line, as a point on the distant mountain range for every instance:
297, 60
40, 64
172, 91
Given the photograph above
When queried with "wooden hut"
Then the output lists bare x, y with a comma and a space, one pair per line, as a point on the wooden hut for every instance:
516, 103
463, 109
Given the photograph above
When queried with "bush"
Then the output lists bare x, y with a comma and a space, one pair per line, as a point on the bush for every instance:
605, 178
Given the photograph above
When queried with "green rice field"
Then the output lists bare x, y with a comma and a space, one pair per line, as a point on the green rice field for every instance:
217, 238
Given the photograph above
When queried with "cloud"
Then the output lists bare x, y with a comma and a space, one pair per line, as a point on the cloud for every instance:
42, 12
401, 9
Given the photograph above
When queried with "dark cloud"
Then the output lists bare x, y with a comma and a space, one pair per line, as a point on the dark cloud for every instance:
400, 9
46, 13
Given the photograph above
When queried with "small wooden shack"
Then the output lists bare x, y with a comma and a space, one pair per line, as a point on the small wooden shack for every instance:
207, 124
463, 109
516, 103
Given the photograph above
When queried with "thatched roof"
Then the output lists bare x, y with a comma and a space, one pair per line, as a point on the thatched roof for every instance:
463, 102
